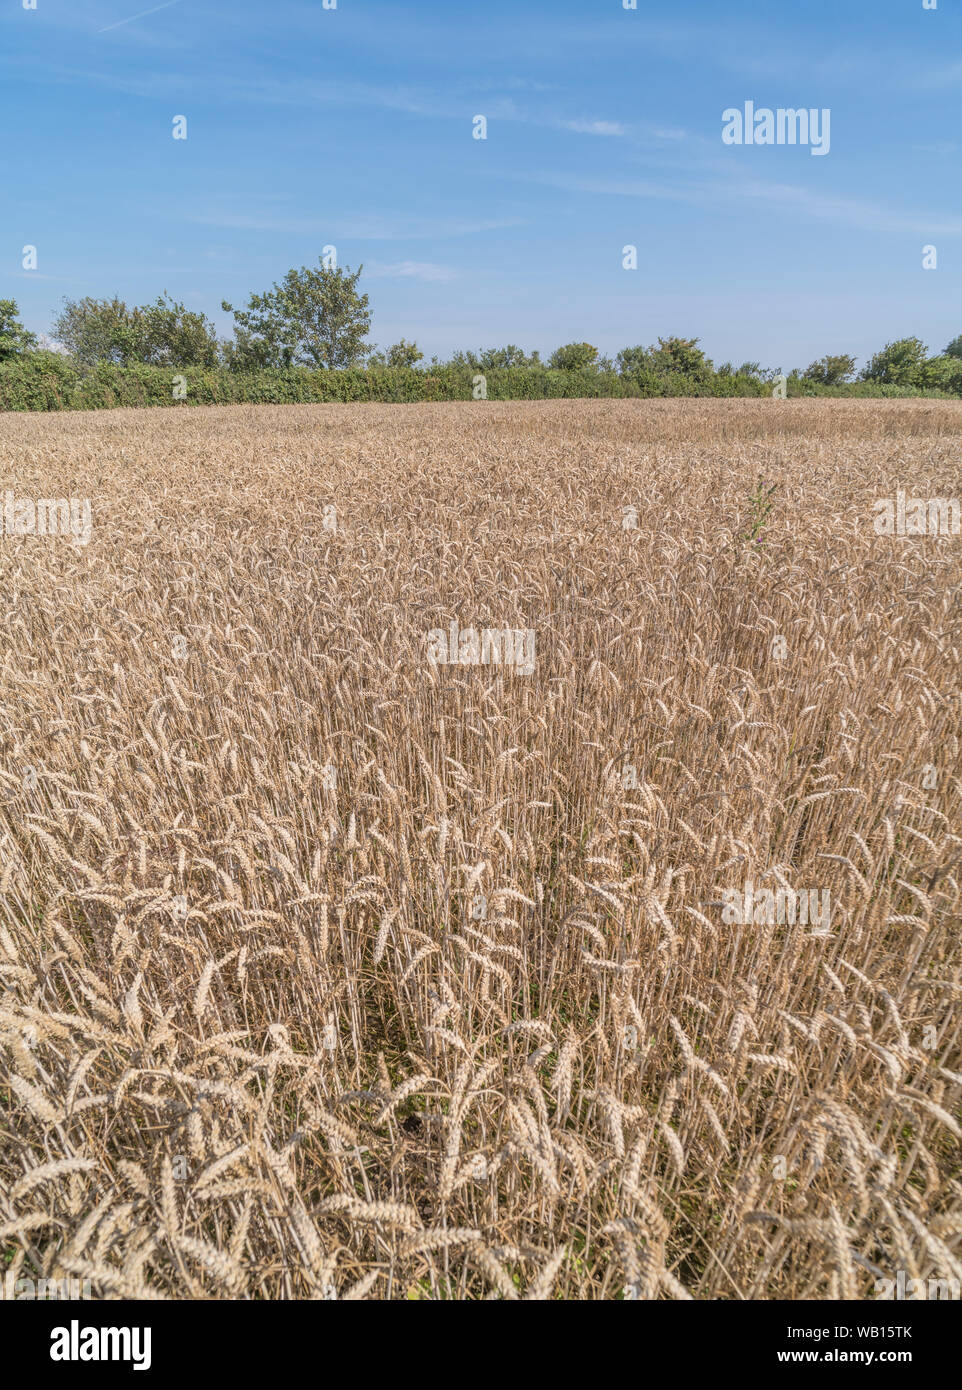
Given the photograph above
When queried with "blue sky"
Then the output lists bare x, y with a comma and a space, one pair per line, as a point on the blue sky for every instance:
353, 127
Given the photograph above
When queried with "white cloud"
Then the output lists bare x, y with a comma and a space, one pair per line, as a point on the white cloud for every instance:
410, 270
803, 202
359, 227
594, 127
142, 15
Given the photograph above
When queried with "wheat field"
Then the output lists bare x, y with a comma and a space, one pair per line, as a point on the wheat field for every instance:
331, 971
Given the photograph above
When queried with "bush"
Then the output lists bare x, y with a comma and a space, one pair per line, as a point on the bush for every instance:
160, 334
942, 373
574, 357
831, 371
898, 364
50, 381
877, 390
14, 338
682, 356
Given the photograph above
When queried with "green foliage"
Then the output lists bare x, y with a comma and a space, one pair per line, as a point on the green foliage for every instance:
95, 330
14, 338
167, 334
851, 390
128, 357
52, 381
161, 334
761, 505
402, 354
954, 348
494, 359
316, 317
632, 360
831, 371
898, 364
682, 356
943, 373
49, 381
574, 357
675, 359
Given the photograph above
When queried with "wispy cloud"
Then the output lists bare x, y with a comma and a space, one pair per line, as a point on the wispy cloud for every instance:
925, 78
143, 15
805, 202
593, 127
411, 270
618, 188
356, 227
941, 148
850, 212
442, 102
506, 84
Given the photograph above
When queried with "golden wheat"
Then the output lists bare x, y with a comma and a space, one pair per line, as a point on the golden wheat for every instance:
329, 971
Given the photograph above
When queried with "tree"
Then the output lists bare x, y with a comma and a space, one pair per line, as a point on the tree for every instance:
402, 354
467, 359
314, 318
831, 371
492, 359
511, 356
14, 338
574, 357
898, 364
682, 355
954, 348
942, 373
95, 330
632, 360
167, 334
163, 334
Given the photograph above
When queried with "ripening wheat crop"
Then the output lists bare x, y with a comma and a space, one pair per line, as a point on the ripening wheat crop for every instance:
331, 970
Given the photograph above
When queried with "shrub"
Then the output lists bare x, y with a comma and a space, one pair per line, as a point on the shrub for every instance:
831, 371
14, 338
898, 364
51, 381
574, 357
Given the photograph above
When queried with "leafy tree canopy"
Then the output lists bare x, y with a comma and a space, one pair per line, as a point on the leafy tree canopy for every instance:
163, 334
315, 318
574, 357
831, 371
682, 355
898, 363
491, 359
14, 338
942, 373
402, 354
